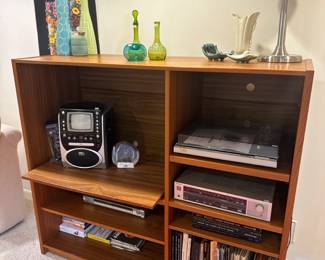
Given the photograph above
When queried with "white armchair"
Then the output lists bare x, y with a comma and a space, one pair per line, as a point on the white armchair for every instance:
11, 190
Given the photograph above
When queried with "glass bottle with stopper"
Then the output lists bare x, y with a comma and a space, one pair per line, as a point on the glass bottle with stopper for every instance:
135, 51
157, 50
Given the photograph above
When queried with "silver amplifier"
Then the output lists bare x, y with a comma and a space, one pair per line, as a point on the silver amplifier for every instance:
248, 196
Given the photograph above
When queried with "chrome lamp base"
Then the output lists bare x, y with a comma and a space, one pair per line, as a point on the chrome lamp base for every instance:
280, 54
280, 58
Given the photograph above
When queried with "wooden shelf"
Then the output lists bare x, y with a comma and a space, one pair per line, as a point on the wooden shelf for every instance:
150, 228
76, 248
270, 245
141, 186
153, 102
276, 224
199, 64
282, 173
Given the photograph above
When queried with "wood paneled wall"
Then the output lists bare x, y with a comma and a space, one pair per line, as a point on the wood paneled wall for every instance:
138, 98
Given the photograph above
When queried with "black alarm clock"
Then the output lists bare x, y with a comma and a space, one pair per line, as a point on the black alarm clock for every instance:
85, 134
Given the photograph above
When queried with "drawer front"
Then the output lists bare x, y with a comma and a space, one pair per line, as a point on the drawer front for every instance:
253, 88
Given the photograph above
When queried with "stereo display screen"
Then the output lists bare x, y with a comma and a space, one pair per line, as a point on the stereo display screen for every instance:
80, 122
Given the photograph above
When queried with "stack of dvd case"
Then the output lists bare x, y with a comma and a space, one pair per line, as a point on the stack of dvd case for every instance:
75, 227
227, 228
126, 242
100, 234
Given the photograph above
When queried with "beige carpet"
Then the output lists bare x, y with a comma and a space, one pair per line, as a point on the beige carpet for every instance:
21, 242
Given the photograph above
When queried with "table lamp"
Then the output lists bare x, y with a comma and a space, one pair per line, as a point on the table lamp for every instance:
280, 53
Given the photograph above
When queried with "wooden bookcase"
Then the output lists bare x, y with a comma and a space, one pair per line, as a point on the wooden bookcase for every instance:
153, 101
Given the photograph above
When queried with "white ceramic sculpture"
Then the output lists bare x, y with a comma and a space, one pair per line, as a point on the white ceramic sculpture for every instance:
244, 28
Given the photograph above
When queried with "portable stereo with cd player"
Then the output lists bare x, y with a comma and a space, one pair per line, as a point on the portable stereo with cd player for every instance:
85, 134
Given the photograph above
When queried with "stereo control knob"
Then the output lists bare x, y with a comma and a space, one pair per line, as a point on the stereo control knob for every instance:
259, 208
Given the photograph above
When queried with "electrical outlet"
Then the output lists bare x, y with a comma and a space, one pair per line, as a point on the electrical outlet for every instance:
293, 231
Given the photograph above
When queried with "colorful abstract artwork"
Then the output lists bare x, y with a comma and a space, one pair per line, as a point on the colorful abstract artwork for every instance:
52, 33
51, 20
75, 13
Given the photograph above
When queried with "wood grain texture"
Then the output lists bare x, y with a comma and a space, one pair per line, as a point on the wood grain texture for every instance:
37, 202
154, 101
270, 245
282, 173
151, 228
218, 111
41, 90
168, 113
303, 115
76, 248
138, 101
181, 105
141, 186
198, 64
233, 87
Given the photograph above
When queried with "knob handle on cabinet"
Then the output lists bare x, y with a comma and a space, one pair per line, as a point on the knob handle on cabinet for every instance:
250, 87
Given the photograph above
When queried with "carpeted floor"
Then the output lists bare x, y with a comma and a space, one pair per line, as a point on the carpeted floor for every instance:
21, 242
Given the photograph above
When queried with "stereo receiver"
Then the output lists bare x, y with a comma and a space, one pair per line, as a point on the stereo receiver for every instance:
242, 195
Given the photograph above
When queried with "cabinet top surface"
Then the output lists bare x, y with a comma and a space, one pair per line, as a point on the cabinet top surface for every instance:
199, 64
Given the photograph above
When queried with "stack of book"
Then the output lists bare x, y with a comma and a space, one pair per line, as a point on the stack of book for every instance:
100, 234
75, 227
187, 247
223, 252
115, 239
264, 257
126, 242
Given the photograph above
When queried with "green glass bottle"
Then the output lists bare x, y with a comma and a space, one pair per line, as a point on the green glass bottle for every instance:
157, 50
135, 51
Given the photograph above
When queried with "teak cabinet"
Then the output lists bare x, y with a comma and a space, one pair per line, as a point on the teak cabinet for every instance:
153, 101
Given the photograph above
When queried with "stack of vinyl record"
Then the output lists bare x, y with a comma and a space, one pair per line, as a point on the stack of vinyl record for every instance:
126, 242
75, 227
187, 247
229, 253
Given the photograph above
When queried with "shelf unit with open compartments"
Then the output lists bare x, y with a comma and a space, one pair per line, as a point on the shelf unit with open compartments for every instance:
153, 101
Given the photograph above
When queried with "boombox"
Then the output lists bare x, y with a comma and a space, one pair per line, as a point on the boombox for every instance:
85, 134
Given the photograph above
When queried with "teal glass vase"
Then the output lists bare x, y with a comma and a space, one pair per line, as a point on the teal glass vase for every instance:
157, 50
135, 51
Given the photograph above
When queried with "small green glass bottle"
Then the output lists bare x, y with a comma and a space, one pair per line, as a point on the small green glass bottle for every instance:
157, 50
135, 51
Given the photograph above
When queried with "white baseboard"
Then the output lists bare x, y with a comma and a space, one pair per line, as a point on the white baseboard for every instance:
28, 194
